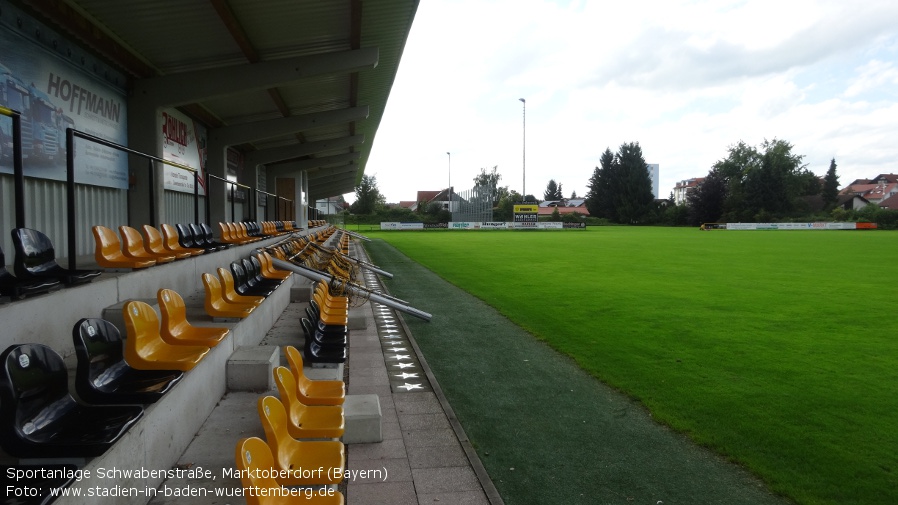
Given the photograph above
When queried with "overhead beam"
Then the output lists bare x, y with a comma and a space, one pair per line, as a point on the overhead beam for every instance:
332, 171
188, 87
333, 189
335, 181
275, 154
259, 130
324, 161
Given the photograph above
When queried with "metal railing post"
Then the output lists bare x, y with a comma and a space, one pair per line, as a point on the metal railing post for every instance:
233, 197
70, 194
152, 179
208, 197
196, 197
18, 168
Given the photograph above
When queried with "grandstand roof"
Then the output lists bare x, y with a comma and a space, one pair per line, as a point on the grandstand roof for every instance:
338, 55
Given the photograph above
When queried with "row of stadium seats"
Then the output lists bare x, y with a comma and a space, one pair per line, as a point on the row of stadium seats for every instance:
307, 409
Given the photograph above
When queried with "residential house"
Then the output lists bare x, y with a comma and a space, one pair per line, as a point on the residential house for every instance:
565, 206
443, 197
682, 189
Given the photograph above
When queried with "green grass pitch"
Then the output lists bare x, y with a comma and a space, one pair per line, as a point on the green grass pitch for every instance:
778, 350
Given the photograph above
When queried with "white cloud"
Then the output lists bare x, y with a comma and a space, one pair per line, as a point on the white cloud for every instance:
685, 79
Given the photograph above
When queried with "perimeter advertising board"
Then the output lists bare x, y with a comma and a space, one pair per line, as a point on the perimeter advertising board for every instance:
53, 95
183, 142
796, 226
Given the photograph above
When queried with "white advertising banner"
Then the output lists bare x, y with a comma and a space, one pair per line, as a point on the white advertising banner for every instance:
792, 226
183, 142
551, 226
496, 225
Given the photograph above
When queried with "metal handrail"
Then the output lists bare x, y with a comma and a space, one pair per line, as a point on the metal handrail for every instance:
71, 133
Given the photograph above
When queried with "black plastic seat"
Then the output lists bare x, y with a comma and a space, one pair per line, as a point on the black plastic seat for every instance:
244, 286
210, 237
185, 237
313, 352
323, 339
36, 259
40, 419
254, 271
203, 235
313, 312
16, 288
104, 378
42, 481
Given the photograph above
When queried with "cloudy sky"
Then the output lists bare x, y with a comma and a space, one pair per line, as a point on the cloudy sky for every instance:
685, 79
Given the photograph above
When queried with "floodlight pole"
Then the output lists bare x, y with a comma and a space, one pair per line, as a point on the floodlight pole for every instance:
450, 181
524, 158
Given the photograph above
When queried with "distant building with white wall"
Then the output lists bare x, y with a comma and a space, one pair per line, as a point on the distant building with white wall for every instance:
655, 175
681, 190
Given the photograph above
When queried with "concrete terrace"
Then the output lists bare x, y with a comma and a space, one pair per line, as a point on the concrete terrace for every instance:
424, 457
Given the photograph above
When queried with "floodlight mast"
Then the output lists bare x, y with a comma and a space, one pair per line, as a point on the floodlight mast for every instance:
450, 181
524, 156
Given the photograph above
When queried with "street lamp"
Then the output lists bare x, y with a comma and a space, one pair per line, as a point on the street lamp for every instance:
450, 181
524, 160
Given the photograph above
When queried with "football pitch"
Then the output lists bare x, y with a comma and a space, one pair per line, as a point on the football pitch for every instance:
777, 350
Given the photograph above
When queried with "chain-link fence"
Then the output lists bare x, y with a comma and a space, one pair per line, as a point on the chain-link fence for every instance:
474, 205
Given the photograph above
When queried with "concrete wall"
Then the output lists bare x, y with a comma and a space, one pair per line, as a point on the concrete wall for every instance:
167, 427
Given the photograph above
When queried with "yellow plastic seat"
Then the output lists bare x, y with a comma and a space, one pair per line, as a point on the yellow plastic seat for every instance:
134, 247
217, 306
313, 392
268, 269
170, 241
176, 330
227, 234
334, 302
243, 233
318, 421
290, 454
230, 294
155, 245
330, 311
254, 462
108, 251
144, 347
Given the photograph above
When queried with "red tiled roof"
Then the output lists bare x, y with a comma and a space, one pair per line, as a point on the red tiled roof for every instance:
890, 202
547, 211
426, 196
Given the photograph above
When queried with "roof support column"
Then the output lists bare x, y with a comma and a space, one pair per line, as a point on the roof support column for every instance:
144, 128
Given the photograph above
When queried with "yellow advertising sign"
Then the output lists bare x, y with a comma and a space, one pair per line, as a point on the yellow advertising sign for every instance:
526, 209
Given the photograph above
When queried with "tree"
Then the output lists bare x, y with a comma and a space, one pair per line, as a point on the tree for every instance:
706, 200
621, 189
489, 180
553, 191
764, 183
367, 197
598, 198
574, 195
634, 198
504, 210
830, 191
556, 216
